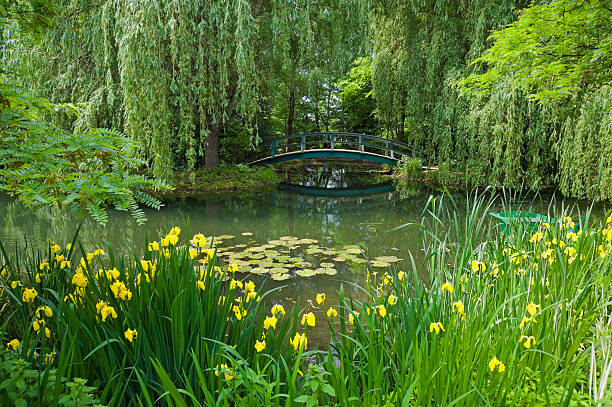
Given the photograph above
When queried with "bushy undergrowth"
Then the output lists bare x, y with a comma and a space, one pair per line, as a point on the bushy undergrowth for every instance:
517, 318
237, 177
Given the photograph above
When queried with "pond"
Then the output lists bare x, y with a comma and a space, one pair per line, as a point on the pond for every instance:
308, 233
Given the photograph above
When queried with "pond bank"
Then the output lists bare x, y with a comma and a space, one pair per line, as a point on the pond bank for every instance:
234, 178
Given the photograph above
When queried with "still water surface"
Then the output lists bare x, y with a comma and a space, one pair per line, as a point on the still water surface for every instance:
330, 204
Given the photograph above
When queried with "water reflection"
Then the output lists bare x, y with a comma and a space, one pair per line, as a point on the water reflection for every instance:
332, 204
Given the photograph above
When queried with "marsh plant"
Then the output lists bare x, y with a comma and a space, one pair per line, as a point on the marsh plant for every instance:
520, 317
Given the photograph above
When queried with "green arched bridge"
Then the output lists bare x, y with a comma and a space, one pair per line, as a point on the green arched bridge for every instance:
332, 145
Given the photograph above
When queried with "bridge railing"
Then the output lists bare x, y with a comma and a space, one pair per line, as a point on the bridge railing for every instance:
336, 141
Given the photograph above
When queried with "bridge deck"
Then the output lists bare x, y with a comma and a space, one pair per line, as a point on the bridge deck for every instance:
334, 145
325, 153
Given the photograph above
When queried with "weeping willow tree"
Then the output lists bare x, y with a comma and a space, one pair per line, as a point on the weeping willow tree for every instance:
558, 57
171, 74
420, 49
541, 112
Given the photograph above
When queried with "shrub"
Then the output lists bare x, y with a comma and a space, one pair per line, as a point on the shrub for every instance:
409, 167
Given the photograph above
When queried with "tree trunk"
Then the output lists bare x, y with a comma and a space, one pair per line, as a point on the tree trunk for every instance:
211, 156
289, 127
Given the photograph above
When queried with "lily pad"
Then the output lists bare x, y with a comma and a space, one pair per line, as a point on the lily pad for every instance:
327, 265
247, 234
339, 259
305, 273
388, 259
276, 242
378, 263
280, 277
286, 238
257, 256
353, 250
313, 251
259, 270
358, 260
278, 270
329, 271
225, 237
329, 252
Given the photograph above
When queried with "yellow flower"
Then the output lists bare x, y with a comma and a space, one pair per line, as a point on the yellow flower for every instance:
55, 248
227, 372
46, 310
392, 299
351, 318
232, 268
166, 254
13, 344
79, 280
299, 342
198, 240
260, 345
331, 312
529, 341
29, 294
382, 310
201, 285
270, 322
447, 287
65, 264
173, 239
320, 298
15, 284
237, 312
386, 280
458, 305
193, 253
536, 237
98, 252
436, 326
276, 309
526, 320
44, 265
130, 334
235, 283
532, 308
175, 231
120, 291
105, 310
309, 319
478, 265
37, 278
495, 363
400, 275
249, 287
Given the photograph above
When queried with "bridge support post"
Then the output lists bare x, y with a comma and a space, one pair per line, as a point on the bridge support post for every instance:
392, 150
303, 144
361, 143
387, 147
332, 141
274, 146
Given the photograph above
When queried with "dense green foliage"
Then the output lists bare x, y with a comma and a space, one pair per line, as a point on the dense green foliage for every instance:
43, 164
200, 83
24, 385
173, 76
544, 117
